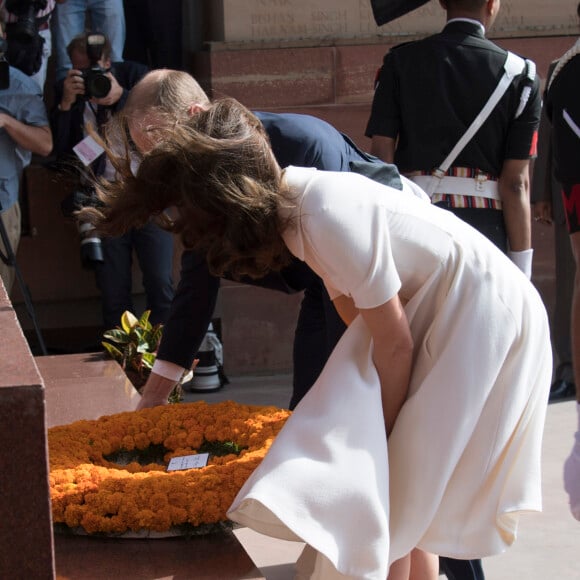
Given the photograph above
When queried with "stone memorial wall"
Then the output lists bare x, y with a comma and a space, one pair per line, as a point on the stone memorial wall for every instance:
286, 20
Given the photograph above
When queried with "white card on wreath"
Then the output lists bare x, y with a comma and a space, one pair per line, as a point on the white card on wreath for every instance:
188, 462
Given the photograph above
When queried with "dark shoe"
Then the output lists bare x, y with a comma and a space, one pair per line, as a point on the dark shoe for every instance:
562, 390
461, 569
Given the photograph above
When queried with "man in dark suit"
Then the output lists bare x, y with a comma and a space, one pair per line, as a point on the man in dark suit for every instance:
300, 140
546, 197
418, 119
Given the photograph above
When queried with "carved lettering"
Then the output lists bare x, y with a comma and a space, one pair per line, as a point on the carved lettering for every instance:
326, 28
279, 31
287, 19
272, 18
275, 3
328, 15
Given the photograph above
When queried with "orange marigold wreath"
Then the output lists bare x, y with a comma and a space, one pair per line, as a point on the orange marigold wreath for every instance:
91, 490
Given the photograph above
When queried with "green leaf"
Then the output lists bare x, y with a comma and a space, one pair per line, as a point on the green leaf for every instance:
155, 337
117, 335
144, 320
113, 351
128, 321
143, 346
148, 359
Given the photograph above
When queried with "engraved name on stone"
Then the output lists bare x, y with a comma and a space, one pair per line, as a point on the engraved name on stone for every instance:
262, 20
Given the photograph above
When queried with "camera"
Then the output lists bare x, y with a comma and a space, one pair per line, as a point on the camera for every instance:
97, 83
25, 28
4, 67
91, 247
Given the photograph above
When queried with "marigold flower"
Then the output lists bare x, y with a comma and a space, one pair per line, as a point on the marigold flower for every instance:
89, 489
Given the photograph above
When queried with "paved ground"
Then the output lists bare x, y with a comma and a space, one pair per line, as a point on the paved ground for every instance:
548, 546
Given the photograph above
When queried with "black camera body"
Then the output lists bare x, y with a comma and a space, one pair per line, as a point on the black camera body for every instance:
97, 83
4, 67
25, 28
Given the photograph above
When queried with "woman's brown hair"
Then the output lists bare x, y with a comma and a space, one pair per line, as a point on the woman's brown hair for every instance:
219, 171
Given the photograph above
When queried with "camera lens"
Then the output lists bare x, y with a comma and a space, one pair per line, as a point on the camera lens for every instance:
98, 85
91, 248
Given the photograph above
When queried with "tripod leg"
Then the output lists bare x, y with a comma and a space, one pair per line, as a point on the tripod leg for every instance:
10, 260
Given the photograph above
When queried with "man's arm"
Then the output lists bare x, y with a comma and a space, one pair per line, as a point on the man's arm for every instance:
514, 190
540, 192
29, 137
383, 125
384, 148
191, 312
66, 117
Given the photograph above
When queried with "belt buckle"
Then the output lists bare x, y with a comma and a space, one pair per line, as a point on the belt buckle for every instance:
438, 173
480, 180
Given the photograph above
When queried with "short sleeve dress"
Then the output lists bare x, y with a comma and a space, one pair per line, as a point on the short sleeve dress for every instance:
463, 458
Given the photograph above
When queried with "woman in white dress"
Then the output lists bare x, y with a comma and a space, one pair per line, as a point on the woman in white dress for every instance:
447, 352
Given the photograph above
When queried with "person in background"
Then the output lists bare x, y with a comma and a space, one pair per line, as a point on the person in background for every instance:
154, 33
24, 130
72, 17
73, 112
29, 54
546, 197
563, 111
417, 121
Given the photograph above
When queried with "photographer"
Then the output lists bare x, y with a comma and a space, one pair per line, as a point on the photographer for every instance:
28, 35
23, 130
71, 18
91, 93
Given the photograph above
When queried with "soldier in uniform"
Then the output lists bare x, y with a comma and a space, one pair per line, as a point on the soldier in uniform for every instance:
427, 95
563, 110
418, 118
546, 197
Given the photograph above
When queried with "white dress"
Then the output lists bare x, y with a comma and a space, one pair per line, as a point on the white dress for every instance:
463, 458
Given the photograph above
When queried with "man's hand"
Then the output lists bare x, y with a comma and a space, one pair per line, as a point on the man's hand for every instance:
156, 391
73, 86
113, 95
542, 211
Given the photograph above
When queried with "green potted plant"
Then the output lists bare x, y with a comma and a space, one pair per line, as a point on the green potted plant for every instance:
133, 344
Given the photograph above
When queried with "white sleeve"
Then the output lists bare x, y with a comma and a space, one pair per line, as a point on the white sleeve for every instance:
348, 241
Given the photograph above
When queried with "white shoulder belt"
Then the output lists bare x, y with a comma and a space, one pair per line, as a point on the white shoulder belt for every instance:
513, 66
